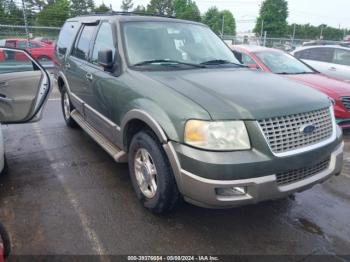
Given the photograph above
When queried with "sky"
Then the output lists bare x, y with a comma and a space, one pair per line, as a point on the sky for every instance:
331, 12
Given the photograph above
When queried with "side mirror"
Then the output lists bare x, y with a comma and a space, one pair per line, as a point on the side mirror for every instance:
105, 58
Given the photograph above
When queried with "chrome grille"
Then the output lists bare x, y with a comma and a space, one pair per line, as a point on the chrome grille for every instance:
284, 134
302, 173
346, 102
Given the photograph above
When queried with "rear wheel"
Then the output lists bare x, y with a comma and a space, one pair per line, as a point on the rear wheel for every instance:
44, 59
67, 108
151, 174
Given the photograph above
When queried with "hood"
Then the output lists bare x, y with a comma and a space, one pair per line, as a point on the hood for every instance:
332, 87
241, 93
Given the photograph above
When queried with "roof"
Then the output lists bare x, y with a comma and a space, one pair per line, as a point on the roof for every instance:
321, 46
126, 17
254, 48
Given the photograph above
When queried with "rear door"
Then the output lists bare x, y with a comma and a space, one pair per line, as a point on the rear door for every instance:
341, 62
77, 70
24, 87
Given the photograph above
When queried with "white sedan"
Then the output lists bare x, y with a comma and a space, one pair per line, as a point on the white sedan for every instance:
24, 89
331, 60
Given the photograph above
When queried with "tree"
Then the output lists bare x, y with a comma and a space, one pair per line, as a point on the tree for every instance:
54, 14
102, 8
273, 15
161, 7
81, 7
13, 14
213, 19
308, 31
126, 5
187, 9
229, 23
140, 9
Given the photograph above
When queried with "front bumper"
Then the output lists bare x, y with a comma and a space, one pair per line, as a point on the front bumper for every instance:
202, 192
199, 174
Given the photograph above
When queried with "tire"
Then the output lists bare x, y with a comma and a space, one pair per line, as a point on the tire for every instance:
5, 239
67, 108
166, 195
44, 59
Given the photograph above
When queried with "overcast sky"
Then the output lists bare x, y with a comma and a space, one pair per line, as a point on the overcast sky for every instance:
316, 12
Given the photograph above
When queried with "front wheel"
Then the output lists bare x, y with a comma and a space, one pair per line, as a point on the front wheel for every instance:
151, 174
67, 109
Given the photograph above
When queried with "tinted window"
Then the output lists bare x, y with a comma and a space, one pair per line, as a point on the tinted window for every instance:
34, 45
342, 57
81, 49
104, 40
323, 54
66, 37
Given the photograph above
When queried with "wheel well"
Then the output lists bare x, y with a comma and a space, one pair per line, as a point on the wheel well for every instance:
132, 128
60, 84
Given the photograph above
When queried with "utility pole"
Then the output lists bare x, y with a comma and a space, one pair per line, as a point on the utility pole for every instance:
293, 34
222, 26
262, 30
265, 35
25, 20
321, 36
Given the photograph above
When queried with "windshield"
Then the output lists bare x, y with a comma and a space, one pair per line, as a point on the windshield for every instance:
185, 43
281, 63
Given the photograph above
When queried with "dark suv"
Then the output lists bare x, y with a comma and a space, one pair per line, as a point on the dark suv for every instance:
169, 97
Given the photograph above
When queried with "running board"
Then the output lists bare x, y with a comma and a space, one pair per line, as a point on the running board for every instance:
119, 155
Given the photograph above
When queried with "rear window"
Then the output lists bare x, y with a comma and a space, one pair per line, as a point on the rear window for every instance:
66, 37
323, 54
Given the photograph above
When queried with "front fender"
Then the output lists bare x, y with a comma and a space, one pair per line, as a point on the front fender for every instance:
155, 117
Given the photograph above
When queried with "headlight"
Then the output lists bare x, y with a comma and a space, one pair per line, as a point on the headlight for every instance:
221, 136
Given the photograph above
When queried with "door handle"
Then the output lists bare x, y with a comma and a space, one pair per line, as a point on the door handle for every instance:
89, 76
67, 65
333, 68
3, 98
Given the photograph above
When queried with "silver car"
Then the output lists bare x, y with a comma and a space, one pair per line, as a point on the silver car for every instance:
331, 60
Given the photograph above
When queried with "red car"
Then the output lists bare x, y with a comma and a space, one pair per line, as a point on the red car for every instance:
279, 62
40, 51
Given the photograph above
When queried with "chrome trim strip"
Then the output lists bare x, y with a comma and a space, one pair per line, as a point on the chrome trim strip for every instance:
307, 148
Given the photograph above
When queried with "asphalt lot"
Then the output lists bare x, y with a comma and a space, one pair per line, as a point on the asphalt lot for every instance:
65, 195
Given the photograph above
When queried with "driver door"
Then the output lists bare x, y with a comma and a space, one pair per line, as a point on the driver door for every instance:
24, 87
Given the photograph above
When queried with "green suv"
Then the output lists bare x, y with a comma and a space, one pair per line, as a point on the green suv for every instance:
169, 97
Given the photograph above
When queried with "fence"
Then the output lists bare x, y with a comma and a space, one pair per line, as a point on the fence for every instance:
19, 31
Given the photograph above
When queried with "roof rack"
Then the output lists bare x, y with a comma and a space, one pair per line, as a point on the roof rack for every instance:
111, 13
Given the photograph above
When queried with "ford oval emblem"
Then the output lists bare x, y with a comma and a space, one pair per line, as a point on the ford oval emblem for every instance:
307, 129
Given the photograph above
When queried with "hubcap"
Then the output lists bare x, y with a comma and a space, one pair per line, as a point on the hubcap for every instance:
66, 105
146, 173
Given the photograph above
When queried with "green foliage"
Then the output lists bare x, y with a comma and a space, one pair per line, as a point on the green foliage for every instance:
81, 7
102, 8
308, 31
215, 19
161, 7
229, 23
140, 9
12, 13
54, 14
274, 14
187, 9
126, 5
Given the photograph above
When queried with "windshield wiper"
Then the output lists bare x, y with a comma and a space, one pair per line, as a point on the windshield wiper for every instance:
221, 62
167, 62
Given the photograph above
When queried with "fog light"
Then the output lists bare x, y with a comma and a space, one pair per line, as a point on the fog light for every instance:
231, 191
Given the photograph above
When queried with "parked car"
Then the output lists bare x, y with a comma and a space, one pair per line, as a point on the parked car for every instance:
330, 60
40, 51
24, 88
43, 39
278, 62
170, 98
